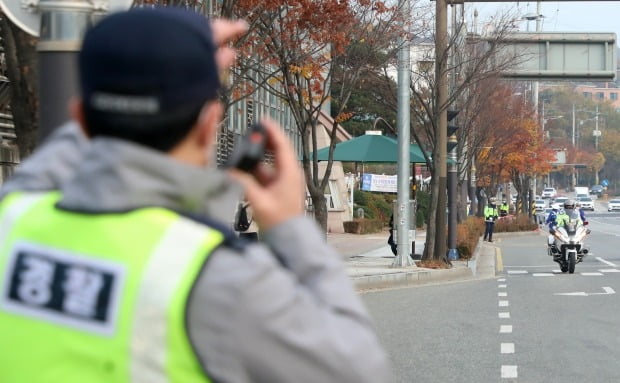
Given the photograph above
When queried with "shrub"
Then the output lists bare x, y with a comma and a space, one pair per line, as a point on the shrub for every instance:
379, 205
518, 223
467, 234
376, 205
363, 226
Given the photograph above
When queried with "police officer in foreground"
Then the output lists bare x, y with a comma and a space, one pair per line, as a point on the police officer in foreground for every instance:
127, 274
490, 215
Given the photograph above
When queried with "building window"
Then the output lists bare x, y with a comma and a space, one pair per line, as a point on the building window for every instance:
613, 96
587, 94
600, 95
331, 196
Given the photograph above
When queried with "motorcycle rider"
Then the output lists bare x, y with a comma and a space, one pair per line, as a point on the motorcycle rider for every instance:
551, 222
568, 215
582, 214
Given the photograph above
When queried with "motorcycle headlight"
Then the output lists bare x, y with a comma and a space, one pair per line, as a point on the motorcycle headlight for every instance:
580, 236
562, 237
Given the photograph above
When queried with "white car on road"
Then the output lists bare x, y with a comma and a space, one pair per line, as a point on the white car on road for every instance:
613, 204
549, 193
586, 203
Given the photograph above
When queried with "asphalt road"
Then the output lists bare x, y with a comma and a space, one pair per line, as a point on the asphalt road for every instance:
530, 323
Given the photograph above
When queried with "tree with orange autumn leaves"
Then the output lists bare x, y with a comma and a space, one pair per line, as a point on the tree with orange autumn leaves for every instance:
296, 49
514, 150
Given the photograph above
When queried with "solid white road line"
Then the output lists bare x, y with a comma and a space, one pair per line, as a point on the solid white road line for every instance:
502, 286
504, 315
505, 329
503, 304
509, 372
606, 262
507, 348
609, 271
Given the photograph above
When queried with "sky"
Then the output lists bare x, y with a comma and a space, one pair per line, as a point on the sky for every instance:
566, 16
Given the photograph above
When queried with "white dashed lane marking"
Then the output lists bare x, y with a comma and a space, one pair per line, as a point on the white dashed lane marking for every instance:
504, 315
507, 348
505, 329
503, 303
509, 372
502, 294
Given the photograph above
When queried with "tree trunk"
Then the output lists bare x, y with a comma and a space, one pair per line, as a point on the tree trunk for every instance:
429, 245
21, 61
319, 207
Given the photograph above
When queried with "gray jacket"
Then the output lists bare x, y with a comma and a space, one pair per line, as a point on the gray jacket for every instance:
52, 163
281, 310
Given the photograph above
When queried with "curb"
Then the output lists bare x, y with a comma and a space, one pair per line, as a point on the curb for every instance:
477, 267
410, 278
518, 233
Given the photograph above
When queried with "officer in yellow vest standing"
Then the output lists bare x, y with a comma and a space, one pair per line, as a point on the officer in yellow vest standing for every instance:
503, 209
490, 215
128, 272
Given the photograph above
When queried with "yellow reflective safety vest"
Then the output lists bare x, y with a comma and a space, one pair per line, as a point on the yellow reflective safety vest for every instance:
97, 297
490, 212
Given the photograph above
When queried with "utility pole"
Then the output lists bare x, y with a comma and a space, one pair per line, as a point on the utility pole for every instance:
441, 44
63, 24
597, 133
535, 102
573, 178
402, 258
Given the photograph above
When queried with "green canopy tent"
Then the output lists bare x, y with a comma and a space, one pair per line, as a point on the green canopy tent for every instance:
370, 148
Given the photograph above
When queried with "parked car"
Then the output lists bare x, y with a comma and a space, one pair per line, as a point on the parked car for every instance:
586, 203
597, 189
613, 204
540, 205
549, 193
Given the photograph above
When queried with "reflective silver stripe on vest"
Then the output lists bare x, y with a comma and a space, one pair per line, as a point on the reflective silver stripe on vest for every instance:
15, 211
165, 270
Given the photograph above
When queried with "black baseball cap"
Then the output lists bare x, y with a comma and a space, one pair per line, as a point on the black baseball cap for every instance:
147, 71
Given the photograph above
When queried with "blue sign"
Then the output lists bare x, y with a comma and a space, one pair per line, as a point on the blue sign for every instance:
366, 181
605, 183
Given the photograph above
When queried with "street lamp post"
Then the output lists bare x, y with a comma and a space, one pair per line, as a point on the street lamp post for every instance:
403, 125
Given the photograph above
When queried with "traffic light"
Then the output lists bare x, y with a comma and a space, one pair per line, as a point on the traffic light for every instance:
452, 142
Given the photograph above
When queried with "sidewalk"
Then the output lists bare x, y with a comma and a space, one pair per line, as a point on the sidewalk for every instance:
368, 260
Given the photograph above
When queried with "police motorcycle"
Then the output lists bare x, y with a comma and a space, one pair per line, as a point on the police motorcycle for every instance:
567, 243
